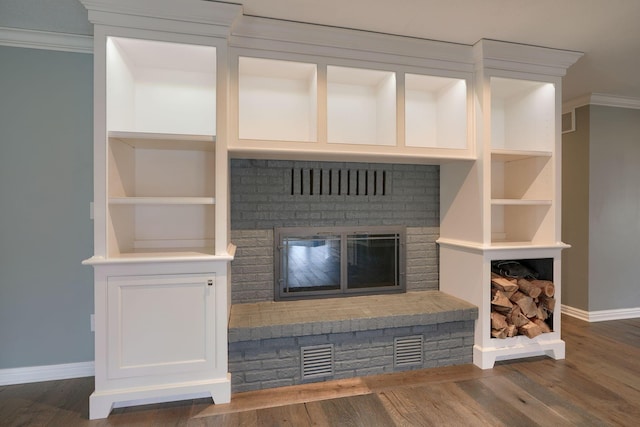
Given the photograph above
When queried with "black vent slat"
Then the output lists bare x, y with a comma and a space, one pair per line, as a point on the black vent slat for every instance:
352, 182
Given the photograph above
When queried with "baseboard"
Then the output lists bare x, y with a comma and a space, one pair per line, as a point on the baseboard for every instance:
575, 312
35, 374
601, 315
18, 37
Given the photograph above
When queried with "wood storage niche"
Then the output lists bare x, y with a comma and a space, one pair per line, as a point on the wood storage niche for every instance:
522, 297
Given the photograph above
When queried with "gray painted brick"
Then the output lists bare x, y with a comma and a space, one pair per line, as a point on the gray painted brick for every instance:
450, 343
278, 343
276, 383
262, 375
356, 354
260, 354
289, 373
310, 340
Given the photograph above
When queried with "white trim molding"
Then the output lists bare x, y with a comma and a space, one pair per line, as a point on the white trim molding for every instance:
601, 315
602, 99
34, 374
19, 37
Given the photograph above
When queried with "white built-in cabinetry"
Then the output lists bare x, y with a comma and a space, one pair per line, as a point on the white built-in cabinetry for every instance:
516, 213
301, 107
160, 202
176, 92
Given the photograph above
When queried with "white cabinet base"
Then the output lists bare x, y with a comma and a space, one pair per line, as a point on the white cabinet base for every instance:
518, 347
102, 402
161, 332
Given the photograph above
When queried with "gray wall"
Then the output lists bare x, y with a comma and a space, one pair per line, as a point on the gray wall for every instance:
46, 179
60, 16
575, 213
614, 208
601, 209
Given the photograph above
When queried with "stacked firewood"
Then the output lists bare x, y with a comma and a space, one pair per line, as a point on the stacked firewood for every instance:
520, 306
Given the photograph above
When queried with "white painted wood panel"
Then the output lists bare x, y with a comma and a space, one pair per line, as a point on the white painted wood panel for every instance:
277, 100
159, 324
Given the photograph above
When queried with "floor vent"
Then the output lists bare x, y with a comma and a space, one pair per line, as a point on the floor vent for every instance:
316, 361
407, 351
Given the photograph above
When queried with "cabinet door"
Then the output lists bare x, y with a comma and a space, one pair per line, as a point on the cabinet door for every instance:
160, 325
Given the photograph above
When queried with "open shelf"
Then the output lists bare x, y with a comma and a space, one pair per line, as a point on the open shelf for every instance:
161, 201
361, 106
178, 168
521, 176
155, 86
529, 223
522, 115
435, 112
165, 141
135, 228
161, 126
277, 100
519, 202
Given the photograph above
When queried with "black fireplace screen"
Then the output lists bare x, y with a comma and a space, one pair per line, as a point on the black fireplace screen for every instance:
338, 261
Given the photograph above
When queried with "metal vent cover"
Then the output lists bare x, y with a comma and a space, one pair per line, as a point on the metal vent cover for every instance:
407, 351
569, 121
338, 182
316, 361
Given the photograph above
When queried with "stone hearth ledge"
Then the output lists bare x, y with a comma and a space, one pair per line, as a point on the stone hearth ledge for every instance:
279, 319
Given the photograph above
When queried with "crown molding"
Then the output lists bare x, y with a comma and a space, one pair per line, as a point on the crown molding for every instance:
19, 37
526, 58
192, 17
602, 99
252, 32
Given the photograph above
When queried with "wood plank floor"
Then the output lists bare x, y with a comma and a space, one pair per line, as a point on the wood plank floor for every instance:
598, 384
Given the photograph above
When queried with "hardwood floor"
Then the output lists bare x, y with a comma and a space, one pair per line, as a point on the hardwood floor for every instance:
598, 384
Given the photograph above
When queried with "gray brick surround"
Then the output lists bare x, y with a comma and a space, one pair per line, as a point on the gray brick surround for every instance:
266, 337
261, 194
271, 193
252, 269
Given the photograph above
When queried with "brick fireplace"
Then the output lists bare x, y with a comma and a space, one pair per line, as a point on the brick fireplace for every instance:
262, 199
359, 335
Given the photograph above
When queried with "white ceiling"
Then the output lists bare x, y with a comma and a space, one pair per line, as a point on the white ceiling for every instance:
607, 31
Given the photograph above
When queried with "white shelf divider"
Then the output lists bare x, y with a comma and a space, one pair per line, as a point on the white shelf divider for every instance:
162, 200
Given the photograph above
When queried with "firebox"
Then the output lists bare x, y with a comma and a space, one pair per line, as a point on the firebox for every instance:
338, 261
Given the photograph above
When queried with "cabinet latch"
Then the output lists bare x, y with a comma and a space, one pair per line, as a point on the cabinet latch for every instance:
210, 282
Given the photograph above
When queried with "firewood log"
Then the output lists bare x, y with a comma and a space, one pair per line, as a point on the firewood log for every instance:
542, 325
542, 313
549, 303
502, 283
500, 300
530, 330
511, 330
529, 288
499, 333
546, 286
518, 319
525, 303
498, 321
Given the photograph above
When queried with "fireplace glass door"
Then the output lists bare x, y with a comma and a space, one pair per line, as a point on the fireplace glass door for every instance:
338, 261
